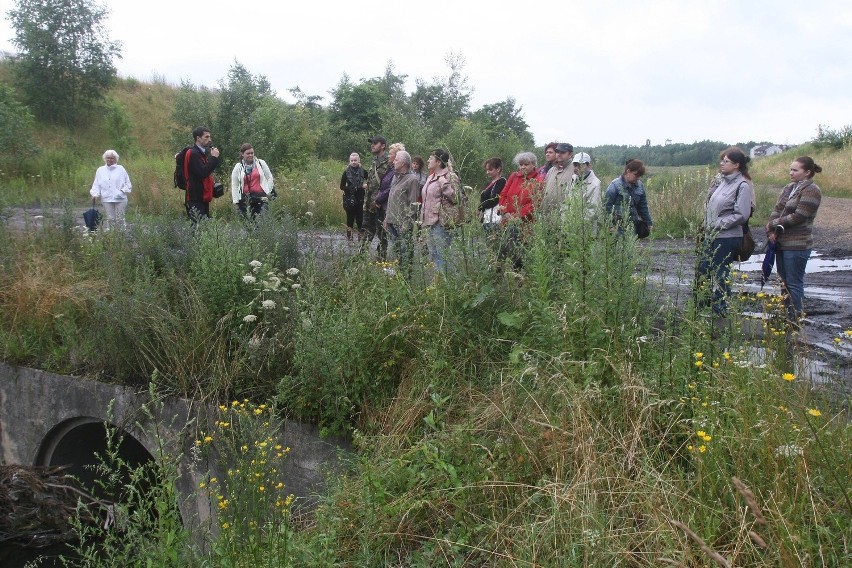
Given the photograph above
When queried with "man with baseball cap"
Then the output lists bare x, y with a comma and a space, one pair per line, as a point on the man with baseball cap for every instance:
588, 183
558, 182
372, 214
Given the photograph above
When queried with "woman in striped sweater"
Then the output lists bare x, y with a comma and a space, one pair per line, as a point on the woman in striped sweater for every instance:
791, 227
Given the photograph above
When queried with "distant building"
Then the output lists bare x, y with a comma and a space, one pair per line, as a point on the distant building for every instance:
668, 141
767, 150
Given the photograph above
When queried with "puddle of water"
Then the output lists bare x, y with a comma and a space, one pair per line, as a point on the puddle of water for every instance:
771, 287
818, 373
815, 264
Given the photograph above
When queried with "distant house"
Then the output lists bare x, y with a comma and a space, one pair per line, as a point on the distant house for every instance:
767, 150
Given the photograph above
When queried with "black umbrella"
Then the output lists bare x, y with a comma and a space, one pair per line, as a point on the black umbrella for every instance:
92, 217
769, 258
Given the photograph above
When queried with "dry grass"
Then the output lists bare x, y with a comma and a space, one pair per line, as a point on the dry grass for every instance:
835, 179
40, 288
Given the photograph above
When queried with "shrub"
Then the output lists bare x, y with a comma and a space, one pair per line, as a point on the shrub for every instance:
828, 137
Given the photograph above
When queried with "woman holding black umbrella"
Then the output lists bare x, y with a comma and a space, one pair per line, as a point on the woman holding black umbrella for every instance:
111, 185
729, 205
790, 227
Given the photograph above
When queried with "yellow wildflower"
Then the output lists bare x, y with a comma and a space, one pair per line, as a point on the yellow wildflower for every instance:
702, 448
814, 412
699, 355
226, 526
208, 439
699, 364
788, 377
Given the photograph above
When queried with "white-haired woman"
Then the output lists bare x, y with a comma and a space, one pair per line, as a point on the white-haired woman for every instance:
516, 205
111, 186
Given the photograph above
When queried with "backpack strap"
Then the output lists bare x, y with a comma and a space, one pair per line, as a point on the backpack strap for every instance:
186, 165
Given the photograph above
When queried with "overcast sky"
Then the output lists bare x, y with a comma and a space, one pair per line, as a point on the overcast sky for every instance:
589, 73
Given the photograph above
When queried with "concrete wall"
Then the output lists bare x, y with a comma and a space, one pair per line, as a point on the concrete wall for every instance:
39, 409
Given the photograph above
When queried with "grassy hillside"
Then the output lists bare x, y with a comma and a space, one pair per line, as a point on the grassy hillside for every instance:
148, 108
835, 179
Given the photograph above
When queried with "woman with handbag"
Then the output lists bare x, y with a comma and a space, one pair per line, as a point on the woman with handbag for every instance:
111, 185
353, 184
490, 196
730, 200
440, 207
251, 183
790, 227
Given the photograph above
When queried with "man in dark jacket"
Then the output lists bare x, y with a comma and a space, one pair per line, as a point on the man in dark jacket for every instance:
199, 182
373, 214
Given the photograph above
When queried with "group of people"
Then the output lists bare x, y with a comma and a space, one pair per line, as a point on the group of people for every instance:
393, 195
373, 198
389, 198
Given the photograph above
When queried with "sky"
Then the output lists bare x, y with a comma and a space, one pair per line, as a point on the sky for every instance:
588, 73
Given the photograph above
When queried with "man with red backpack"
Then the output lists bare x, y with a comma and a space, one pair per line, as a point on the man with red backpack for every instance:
199, 169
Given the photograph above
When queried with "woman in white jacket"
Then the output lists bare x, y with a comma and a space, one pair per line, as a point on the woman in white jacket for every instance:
251, 183
112, 184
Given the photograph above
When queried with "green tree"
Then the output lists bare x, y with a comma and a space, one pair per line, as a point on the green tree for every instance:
242, 94
356, 107
444, 100
64, 65
194, 106
503, 119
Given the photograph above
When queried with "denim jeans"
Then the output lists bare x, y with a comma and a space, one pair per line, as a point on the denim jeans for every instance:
403, 245
438, 242
791, 269
714, 269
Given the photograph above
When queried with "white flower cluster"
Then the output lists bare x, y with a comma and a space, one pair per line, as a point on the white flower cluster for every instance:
249, 279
